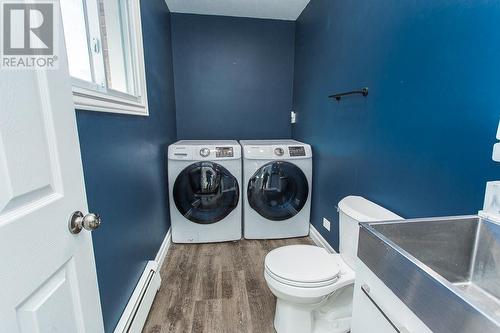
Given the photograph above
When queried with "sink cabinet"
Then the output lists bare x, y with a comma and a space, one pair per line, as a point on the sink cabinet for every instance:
369, 317
377, 309
443, 271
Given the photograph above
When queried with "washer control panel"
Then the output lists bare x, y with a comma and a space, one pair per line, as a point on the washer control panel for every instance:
224, 152
205, 152
279, 151
195, 150
297, 151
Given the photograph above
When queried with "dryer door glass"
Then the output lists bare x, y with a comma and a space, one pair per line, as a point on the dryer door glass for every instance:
206, 192
278, 191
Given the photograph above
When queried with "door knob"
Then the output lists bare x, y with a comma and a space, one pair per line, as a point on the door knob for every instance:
78, 221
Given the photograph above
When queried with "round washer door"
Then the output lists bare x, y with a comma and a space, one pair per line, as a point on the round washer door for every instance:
206, 192
278, 191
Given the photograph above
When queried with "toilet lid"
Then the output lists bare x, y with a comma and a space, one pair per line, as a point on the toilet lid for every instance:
303, 264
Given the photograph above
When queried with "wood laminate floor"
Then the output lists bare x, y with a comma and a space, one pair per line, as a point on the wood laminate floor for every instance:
215, 288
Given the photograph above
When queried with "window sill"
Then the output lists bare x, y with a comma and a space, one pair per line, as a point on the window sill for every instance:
91, 100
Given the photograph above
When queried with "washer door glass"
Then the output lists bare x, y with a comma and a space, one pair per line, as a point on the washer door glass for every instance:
278, 191
206, 192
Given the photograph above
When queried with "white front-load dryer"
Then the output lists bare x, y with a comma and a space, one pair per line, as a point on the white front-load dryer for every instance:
277, 180
205, 191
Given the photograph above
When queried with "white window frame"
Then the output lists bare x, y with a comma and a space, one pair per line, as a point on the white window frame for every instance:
96, 96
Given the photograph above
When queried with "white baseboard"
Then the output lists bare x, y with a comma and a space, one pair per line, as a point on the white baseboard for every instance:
162, 252
136, 312
319, 240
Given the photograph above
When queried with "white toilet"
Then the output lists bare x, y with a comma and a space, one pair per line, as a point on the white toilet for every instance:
313, 287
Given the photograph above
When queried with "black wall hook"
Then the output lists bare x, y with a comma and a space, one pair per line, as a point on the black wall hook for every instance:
338, 97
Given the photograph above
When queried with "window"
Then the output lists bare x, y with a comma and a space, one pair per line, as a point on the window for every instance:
105, 55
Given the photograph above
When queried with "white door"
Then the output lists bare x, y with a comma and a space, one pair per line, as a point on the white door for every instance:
47, 274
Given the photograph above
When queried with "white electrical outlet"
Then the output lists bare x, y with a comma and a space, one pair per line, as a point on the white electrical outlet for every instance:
496, 152
326, 224
293, 117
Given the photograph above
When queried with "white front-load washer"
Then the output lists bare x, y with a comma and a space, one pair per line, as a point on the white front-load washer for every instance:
277, 180
205, 191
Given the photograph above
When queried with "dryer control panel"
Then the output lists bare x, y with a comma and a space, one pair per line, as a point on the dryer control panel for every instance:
276, 152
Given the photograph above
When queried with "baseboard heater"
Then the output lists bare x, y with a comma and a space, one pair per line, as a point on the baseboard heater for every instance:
135, 314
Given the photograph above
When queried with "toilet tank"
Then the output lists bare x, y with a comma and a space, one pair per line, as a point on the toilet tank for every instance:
353, 210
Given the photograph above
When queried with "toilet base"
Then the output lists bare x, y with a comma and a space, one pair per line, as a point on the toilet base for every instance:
332, 315
290, 318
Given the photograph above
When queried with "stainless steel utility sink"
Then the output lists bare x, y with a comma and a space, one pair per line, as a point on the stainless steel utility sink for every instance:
447, 270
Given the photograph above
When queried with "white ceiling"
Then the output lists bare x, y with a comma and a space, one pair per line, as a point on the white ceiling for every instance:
268, 9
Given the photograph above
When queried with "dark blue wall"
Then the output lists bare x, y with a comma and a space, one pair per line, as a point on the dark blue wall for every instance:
233, 77
421, 143
124, 159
